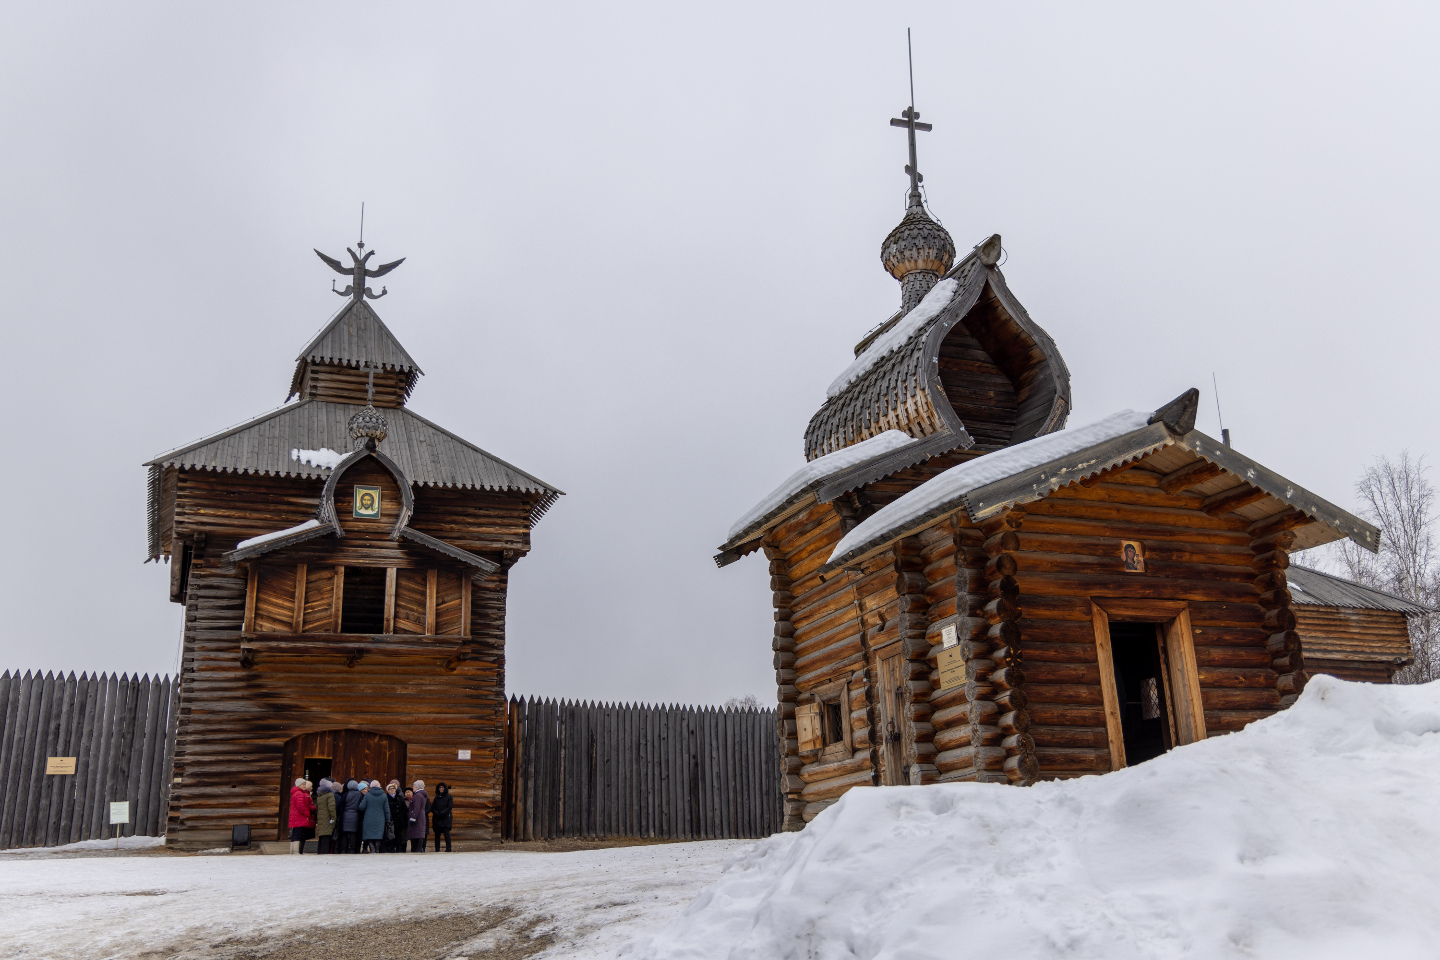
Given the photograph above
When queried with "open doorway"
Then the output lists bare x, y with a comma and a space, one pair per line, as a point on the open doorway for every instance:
1140, 690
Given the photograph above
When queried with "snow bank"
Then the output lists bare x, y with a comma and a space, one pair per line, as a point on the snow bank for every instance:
821, 467
893, 339
950, 486
1310, 834
324, 457
277, 534
125, 843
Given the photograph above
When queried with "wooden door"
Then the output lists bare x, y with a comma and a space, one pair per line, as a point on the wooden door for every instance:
352, 754
890, 696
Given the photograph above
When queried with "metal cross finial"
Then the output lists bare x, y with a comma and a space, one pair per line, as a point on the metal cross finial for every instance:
910, 121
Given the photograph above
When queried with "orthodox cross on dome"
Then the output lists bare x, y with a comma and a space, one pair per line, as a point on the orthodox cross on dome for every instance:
910, 119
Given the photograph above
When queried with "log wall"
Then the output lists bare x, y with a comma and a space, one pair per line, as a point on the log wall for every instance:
118, 729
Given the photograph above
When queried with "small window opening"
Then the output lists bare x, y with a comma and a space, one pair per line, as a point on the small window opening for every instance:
1140, 688
362, 608
833, 721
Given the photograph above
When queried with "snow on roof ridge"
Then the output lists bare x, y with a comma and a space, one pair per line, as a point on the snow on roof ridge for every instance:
893, 339
277, 534
818, 469
965, 477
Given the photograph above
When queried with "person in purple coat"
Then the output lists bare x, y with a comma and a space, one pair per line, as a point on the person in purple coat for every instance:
419, 817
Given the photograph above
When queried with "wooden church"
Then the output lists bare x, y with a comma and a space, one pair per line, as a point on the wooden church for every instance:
343, 564
965, 589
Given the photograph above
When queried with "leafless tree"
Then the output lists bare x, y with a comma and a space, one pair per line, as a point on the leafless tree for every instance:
1398, 497
747, 702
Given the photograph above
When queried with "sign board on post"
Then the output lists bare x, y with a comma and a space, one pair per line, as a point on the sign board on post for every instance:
464, 754
120, 811
59, 766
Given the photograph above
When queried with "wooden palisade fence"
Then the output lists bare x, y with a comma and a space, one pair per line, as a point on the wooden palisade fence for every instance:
610, 770
121, 732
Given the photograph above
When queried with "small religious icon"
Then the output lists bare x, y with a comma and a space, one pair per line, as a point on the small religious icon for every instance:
1134, 555
367, 502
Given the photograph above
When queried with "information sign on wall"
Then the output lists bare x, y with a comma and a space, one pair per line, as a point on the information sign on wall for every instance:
464, 754
61, 766
952, 667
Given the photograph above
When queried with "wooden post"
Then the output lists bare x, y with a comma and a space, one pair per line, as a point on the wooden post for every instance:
337, 600
465, 583
431, 581
297, 621
390, 576
252, 590
1114, 731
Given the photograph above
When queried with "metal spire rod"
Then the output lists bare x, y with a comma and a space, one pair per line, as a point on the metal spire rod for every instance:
362, 202
910, 122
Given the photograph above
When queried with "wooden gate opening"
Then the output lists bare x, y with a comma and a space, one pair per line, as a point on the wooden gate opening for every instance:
1141, 690
343, 755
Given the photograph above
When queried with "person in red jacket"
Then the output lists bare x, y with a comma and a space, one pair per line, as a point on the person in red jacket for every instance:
302, 815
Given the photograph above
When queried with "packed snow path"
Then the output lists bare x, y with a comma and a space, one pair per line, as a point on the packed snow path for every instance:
580, 904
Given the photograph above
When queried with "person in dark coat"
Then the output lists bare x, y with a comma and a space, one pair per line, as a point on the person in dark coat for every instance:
399, 817
441, 815
375, 813
419, 817
350, 818
326, 820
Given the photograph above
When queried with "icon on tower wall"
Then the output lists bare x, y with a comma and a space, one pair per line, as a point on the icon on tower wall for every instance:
367, 502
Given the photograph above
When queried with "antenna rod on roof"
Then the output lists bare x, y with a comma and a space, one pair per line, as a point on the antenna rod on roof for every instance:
1224, 434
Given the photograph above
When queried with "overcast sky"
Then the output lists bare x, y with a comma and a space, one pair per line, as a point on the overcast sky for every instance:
640, 242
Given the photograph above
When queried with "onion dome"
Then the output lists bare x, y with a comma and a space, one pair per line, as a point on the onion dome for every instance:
918, 252
367, 428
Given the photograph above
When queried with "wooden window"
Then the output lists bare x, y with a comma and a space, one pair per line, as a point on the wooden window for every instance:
807, 727
363, 609
1176, 688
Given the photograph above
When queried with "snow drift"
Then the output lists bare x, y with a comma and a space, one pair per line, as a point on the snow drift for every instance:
1313, 833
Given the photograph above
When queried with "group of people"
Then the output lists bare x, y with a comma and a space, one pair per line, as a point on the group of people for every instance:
362, 817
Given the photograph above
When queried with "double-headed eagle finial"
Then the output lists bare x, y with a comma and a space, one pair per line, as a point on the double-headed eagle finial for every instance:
358, 272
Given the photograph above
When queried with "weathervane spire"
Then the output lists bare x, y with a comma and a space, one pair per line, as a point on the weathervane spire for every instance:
910, 119
357, 271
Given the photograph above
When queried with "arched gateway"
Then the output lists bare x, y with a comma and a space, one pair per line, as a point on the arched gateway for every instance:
342, 754
343, 564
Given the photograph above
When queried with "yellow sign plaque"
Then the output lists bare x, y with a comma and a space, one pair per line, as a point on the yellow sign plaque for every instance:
62, 766
952, 667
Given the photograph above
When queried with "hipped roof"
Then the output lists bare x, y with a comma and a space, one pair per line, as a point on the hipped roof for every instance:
354, 337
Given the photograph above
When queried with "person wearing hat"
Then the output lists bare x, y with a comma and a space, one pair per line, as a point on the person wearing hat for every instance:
325, 819
399, 817
419, 817
442, 810
350, 818
302, 815
375, 811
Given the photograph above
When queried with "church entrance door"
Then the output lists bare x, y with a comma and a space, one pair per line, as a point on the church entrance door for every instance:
890, 694
338, 754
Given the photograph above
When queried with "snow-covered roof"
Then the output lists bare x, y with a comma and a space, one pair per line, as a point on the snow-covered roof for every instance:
897, 336
277, 534
814, 474
1036, 468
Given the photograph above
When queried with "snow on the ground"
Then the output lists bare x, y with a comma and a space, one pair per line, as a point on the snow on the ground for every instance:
595, 900
122, 843
1310, 835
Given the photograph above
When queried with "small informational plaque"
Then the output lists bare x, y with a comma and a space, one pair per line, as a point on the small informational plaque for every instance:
63, 766
949, 636
367, 502
464, 754
952, 667
120, 811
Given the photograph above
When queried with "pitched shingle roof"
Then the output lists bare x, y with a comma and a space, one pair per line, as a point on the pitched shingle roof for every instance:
428, 454
353, 337
1313, 588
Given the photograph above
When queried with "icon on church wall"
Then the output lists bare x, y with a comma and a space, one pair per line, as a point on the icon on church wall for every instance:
367, 502
1133, 554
